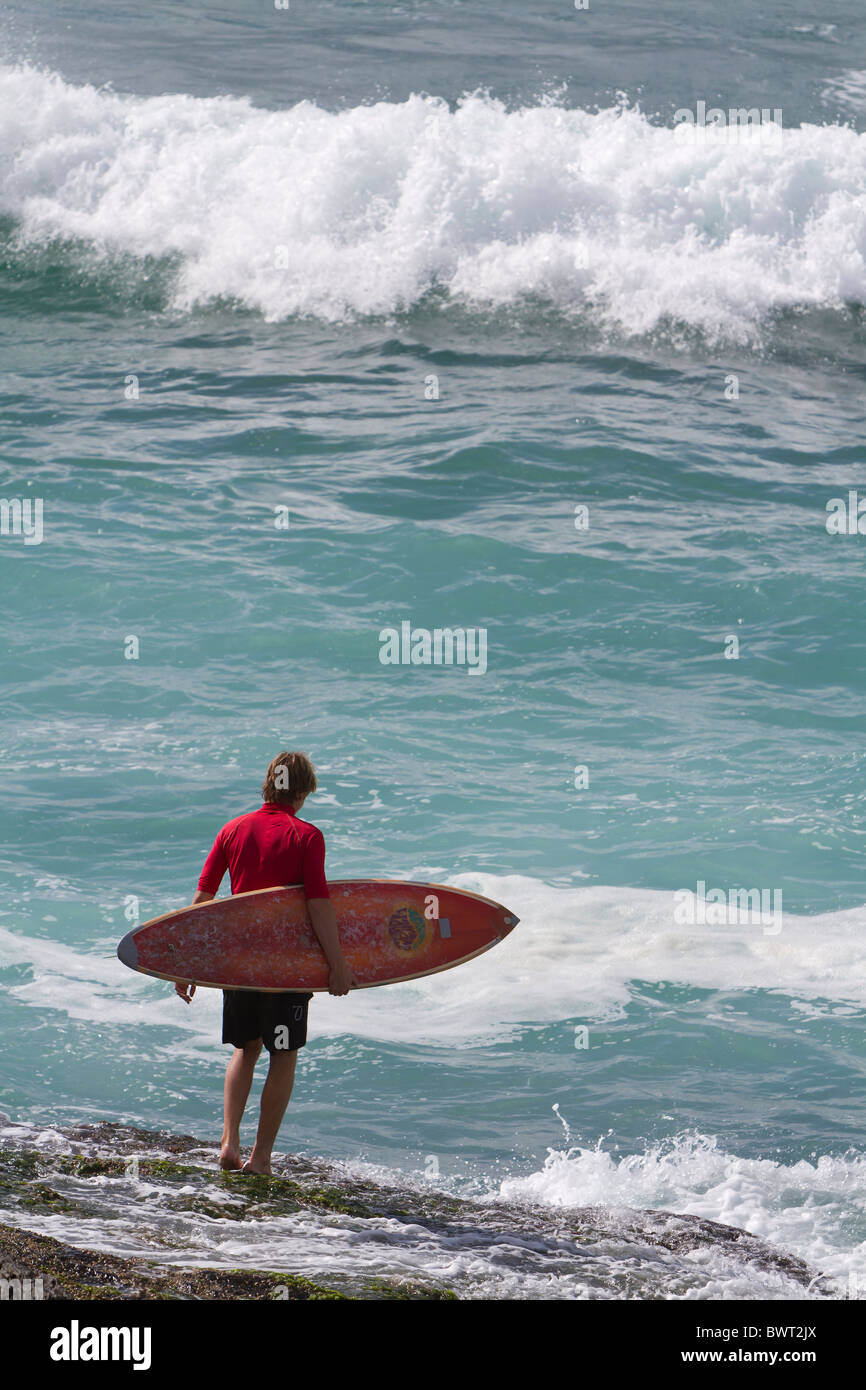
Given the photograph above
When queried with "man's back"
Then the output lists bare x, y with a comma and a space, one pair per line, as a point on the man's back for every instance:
267, 849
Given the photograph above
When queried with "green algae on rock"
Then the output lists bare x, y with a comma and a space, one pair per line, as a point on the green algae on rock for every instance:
66, 1272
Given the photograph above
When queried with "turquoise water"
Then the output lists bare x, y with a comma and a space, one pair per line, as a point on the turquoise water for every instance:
430, 281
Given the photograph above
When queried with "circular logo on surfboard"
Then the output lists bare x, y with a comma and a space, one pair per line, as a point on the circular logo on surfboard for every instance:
406, 928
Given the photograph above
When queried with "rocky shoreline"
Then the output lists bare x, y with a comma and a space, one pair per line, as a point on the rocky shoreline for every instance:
164, 1196
58, 1271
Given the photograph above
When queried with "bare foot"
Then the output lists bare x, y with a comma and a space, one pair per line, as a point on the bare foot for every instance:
230, 1157
258, 1171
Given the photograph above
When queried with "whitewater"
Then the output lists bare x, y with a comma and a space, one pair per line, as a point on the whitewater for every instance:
366, 211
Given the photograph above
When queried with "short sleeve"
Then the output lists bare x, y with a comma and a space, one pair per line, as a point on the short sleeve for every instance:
214, 867
315, 883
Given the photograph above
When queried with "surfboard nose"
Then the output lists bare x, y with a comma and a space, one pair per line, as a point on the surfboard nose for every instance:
510, 921
127, 951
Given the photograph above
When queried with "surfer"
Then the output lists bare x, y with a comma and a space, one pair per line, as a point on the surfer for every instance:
269, 848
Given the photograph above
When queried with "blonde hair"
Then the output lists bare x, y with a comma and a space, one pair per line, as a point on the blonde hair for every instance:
290, 776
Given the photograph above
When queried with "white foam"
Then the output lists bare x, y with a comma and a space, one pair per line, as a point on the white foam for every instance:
575, 955
814, 1210
379, 204
95, 988
820, 31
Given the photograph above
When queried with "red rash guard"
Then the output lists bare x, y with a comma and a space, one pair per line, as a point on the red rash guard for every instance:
269, 848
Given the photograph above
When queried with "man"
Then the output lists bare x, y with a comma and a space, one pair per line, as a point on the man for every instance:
270, 848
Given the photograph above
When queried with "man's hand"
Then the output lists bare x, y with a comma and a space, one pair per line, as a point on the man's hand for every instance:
341, 979
324, 920
182, 991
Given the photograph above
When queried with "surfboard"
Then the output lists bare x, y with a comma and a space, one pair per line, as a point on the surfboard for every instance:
389, 931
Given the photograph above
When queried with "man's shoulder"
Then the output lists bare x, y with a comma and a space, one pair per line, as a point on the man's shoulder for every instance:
238, 822
308, 830
249, 821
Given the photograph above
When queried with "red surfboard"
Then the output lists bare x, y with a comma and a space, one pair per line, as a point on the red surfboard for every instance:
264, 940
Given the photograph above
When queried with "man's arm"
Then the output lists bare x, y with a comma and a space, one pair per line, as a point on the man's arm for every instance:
324, 920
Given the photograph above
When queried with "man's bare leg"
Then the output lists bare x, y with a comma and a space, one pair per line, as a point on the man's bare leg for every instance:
239, 1079
275, 1097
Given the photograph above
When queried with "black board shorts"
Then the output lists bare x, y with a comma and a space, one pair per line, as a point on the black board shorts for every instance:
280, 1020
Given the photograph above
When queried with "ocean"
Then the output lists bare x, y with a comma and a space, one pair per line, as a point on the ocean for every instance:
318, 321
